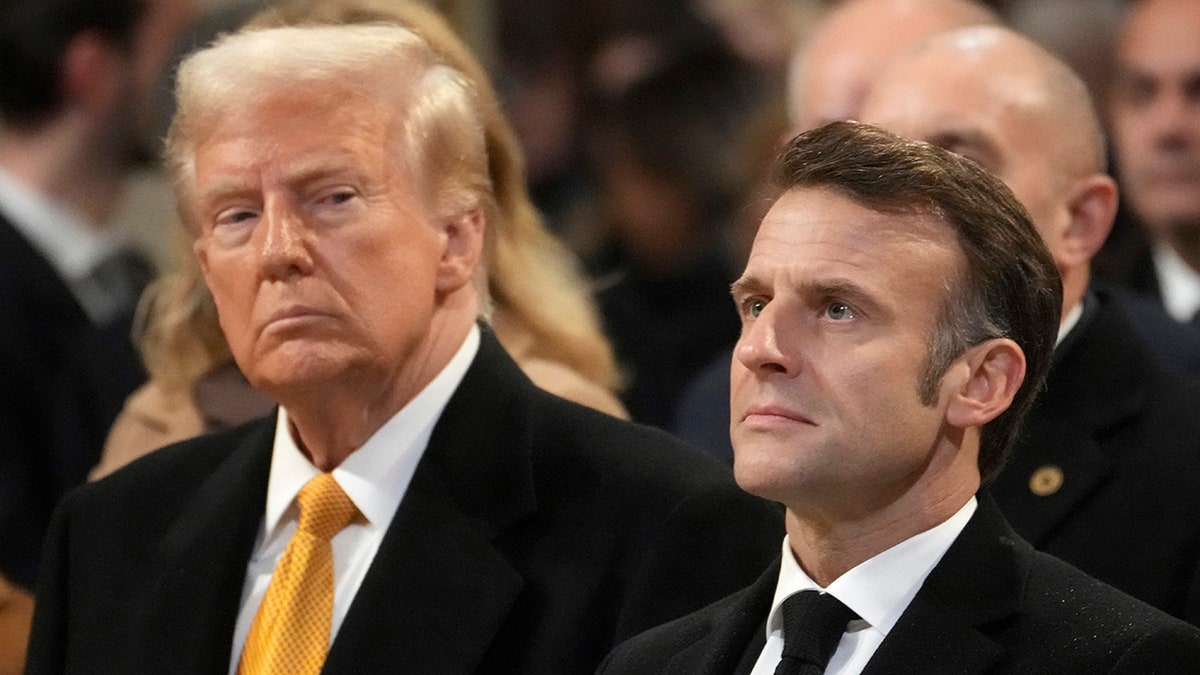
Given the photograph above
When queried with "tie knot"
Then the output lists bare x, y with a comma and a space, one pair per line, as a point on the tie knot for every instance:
324, 508
813, 623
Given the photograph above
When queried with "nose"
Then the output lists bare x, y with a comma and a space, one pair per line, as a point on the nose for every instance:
285, 248
1173, 117
760, 348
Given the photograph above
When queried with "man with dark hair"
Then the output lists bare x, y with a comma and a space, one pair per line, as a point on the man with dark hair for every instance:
1154, 110
829, 75
898, 317
1106, 475
76, 88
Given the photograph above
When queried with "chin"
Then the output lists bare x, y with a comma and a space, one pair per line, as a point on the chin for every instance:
283, 374
760, 470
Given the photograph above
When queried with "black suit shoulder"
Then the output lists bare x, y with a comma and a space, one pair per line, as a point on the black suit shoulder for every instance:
64, 380
111, 558
1123, 436
992, 604
650, 506
551, 530
1075, 623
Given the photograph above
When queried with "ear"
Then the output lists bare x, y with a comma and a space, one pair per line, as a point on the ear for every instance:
1092, 206
91, 72
994, 371
462, 250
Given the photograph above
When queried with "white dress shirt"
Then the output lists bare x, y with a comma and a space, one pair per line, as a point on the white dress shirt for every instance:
1069, 322
375, 477
878, 590
72, 246
1178, 283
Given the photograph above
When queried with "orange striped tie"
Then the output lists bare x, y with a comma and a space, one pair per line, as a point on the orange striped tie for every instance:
290, 633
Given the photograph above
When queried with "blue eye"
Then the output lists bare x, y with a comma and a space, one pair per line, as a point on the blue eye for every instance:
839, 311
756, 307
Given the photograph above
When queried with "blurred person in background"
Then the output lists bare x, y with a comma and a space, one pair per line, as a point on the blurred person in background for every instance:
1106, 473
1154, 111
671, 119
828, 78
77, 93
541, 49
541, 310
832, 70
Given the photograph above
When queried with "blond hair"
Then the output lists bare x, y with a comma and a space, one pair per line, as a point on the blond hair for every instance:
533, 280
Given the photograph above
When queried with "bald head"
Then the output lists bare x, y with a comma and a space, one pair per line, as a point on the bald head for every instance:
996, 97
831, 74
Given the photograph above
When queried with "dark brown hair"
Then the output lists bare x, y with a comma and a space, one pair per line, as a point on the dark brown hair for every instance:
1009, 286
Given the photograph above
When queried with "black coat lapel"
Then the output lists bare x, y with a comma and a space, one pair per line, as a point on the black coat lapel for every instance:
435, 595
1097, 382
733, 622
190, 619
439, 589
976, 586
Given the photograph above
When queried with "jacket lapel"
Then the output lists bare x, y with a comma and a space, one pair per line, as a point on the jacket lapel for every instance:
948, 627
439, 589
203, 562
1057, 467
733, 622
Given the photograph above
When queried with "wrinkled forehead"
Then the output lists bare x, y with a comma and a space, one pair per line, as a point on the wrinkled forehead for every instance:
827, 213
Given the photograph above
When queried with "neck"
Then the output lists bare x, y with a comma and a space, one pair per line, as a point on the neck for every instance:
829, 538
61, 163
331, 420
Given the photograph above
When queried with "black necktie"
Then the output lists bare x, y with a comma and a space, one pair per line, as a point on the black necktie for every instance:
813, 622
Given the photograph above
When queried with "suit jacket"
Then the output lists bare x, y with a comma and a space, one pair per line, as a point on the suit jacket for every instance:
1138, 291
535, 534
1106, 475
1176, 346
991, 605
63, 381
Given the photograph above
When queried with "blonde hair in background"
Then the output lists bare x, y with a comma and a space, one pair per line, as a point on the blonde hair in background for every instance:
534, 282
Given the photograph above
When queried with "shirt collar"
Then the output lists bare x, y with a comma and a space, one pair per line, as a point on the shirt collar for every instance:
375, 476
1179, 284
1069, 322
63, 236
879, 589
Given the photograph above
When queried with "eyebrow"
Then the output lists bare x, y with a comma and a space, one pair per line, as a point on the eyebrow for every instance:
836, 287
745, 286
839, 287
301, 174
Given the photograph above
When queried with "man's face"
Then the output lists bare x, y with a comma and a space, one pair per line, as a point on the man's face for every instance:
319, 252
1155, 112
838, 303
999, 121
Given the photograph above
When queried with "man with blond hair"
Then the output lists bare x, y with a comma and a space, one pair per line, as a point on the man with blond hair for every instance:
416, 504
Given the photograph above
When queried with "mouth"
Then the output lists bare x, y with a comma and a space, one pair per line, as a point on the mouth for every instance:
772, 415
292, 316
